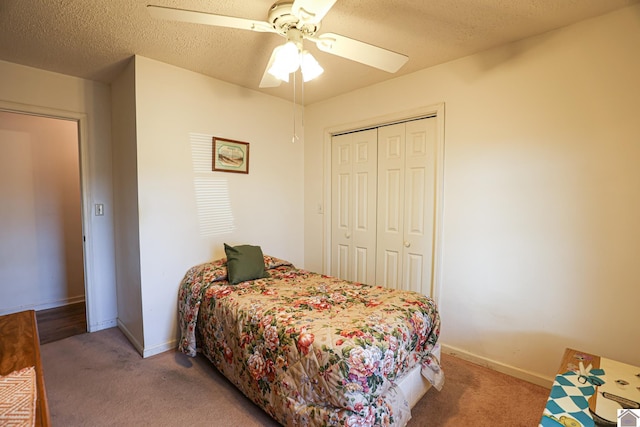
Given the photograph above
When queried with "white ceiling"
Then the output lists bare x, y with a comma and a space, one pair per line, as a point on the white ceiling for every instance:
94, 39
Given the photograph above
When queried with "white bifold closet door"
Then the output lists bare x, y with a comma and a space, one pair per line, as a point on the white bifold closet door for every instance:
353, 201
383, 205
406, 205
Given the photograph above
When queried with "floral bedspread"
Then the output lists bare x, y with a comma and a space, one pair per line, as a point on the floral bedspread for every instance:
310, 349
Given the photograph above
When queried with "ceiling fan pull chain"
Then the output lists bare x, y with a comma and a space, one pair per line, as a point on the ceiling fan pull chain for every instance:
302, 104
294, 137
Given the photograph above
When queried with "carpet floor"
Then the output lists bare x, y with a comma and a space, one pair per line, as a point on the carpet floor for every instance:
99, 379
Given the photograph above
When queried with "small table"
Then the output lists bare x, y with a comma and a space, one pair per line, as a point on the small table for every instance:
621, 389
20, 348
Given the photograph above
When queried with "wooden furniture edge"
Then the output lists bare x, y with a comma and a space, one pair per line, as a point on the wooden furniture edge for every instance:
43, 404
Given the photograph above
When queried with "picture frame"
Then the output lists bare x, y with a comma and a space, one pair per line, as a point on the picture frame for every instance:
230, 155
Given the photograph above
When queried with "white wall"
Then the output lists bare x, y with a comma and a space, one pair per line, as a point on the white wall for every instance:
172, 103
42, 92
541, 192
41, 256
125, 206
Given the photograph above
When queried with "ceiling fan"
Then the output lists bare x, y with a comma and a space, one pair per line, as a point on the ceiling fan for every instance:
296, 21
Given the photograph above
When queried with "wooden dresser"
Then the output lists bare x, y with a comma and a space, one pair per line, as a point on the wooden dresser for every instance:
20, 348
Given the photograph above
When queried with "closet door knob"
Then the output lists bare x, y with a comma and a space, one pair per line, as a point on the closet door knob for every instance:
347, 235
406, 244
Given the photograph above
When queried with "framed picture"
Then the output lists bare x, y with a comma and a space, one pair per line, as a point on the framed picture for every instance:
230, 155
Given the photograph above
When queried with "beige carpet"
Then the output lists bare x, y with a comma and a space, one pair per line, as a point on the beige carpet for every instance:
100, 380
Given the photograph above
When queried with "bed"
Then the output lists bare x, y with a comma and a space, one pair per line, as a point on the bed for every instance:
312, 349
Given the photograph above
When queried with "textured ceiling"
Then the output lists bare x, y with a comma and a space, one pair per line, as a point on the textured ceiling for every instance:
94, 39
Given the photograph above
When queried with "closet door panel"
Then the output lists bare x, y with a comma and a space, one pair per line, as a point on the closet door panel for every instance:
413, 272
342, 261
389, 269
362, 264
361, 202
419, 211
393, 144
344, 199
392, 196
363, 256
414, 205
353, 198
364, 245
391, 176
341, 178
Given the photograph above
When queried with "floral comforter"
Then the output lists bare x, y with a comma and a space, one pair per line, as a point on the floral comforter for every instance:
310, 349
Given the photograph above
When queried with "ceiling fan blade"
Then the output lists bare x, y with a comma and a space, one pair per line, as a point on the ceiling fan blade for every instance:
195, 17
362, 52
269, 80
311, 11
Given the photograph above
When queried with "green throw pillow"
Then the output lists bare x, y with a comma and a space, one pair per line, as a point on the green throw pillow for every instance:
244, 262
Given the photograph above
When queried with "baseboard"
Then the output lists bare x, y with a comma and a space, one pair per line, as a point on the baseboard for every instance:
43, 305
161, 348
147, 351
137, 345
498, 366
106, 324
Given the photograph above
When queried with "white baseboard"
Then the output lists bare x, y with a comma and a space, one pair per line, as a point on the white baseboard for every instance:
144, 351
161, 348
105, 324
498, 366
43, 305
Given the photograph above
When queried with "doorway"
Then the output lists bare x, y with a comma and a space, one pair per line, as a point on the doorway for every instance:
41, 223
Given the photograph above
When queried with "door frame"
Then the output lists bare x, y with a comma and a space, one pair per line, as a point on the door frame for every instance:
434, 110
85, 187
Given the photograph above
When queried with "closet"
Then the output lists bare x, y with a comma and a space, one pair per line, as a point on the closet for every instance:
383, 205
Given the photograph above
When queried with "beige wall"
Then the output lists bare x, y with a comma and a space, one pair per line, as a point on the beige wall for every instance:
42, 92
125, 206
541, 192
266, 204
41, 256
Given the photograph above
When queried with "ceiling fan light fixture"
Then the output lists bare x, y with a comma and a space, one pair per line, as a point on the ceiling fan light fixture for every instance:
279, 72
287, 60
310, 67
